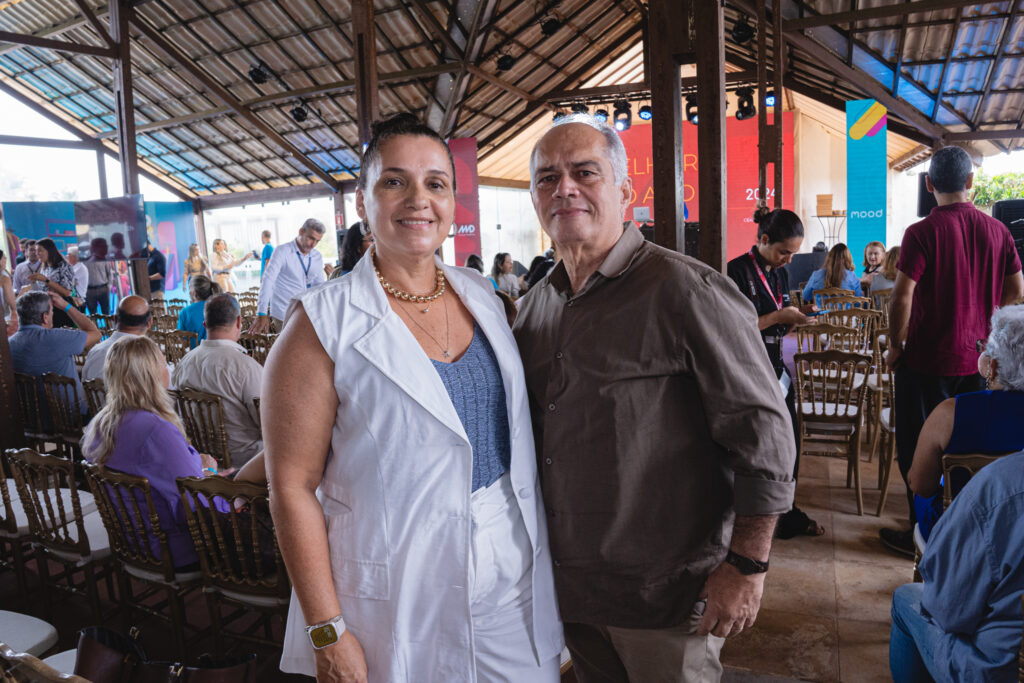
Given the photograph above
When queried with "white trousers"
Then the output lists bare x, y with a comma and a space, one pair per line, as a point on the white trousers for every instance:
501, 572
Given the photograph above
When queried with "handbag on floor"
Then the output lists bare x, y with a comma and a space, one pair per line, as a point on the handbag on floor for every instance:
106, 656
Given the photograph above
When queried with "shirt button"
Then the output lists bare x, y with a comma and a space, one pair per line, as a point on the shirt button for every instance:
551, 407
557, 563
524, 492
558, 355
547, 461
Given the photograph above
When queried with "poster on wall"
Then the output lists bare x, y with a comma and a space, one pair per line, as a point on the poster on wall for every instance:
171, 228
467, 199
110, 229
36, 220
866, 175
741, 176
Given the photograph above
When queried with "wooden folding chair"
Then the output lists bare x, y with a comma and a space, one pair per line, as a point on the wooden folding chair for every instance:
60, 525
140, 545
203, 417
14, 531
880, 300
825, 336
258, 345
838, 303
95, 395
238, 555
862, 319
35, 412
177, 343
829, 405
66, 408
822, 296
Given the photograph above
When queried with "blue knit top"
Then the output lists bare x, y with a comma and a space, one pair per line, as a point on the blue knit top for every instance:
475, 387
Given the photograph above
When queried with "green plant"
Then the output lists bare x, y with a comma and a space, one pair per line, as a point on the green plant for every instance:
990, 189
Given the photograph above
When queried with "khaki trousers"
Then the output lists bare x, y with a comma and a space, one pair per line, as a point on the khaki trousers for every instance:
608, 654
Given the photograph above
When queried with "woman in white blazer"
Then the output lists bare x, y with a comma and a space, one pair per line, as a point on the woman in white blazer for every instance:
400, 455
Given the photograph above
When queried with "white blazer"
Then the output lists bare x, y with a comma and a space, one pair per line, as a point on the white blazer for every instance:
396, 488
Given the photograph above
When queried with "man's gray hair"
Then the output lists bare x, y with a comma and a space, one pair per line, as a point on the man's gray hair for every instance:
73, 250
1006, 346
32, 306
949, 168
313, 225
612, 142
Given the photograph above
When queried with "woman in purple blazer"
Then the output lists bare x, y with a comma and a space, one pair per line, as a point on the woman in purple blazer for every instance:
137, 432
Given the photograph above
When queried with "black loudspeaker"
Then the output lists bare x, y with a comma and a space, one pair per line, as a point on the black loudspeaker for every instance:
925, 199
691, 239
1010, 212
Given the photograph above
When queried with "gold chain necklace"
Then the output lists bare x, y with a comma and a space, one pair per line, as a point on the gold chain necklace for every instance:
446, 348
413, 298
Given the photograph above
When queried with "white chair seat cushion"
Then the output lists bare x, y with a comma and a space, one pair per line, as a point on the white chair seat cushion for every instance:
158, 577
63, 662
257, 600
878, 381
812, 410
85, 499
858, 378
885, 420
919, 539
99, 541
26, 634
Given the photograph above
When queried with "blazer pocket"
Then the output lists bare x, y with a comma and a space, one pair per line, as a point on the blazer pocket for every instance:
360, 578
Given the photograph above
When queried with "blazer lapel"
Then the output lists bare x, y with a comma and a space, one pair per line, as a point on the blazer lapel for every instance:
391, 348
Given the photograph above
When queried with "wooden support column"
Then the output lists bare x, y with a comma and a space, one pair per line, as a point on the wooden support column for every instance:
364, 39
200, 223
769, 134
668, 37
779, 61
124, 104
101, 172
710, 57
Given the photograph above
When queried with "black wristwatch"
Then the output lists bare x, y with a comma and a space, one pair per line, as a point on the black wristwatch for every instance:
746, 565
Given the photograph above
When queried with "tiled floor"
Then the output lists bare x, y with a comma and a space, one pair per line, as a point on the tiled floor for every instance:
825, 611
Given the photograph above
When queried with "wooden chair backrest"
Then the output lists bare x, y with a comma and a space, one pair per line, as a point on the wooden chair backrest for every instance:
160, 337
861, 319
165, 323
173, 310
838, 303
95, 394
825, 336
970, 463
203, 417
107, 324
881, 298
126, 505
157, 307
237, 549
177, 343
827, 383
65, 404
258, 345
8, 522
32, 416
821, 296
43, 481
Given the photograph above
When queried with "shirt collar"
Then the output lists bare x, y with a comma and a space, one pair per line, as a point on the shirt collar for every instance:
226, 343
615, 263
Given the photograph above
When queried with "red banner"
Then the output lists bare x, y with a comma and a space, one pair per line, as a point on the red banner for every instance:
741, 175
467, 199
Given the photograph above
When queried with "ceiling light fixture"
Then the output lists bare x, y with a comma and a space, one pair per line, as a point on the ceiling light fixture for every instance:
646, 113
506, 61
579, 108
258, 73
742, 32
549, 25
601, 115
623, 115
299, 112
769, 99
745, 108
691, 109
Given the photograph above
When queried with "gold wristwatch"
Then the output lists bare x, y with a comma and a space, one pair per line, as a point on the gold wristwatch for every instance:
326, 633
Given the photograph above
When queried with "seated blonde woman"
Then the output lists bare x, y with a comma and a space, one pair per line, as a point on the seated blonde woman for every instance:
137, 432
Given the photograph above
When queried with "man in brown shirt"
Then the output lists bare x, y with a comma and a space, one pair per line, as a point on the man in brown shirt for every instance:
664, 445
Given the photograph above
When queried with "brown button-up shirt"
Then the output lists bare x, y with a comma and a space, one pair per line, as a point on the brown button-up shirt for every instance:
657, 419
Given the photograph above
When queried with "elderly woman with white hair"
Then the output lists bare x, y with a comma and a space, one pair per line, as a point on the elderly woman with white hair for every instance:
987, 422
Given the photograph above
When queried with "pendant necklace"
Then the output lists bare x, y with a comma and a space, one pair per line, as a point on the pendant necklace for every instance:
446, 348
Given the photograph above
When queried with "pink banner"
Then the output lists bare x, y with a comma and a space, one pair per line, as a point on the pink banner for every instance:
467, 199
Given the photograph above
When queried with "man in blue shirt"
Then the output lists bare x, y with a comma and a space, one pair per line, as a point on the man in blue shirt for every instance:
268, 250
37, 348
157, 266
964, 622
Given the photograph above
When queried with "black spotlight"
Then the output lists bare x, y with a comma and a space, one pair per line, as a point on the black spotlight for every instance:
623, 115
645, 113
506, 61
769, 98
258, 74
549, 25
579, 108
742, 32
691, 109
745, 108
300, 113
559, 115
601, 115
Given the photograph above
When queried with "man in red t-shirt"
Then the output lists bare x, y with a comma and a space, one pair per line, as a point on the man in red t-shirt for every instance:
955, 267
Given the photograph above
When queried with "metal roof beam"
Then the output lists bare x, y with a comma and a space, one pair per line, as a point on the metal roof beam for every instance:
100, 29
214, 88
881, 12
638, 87
62, 45
475, 41
26, 141
311, 190
945, 64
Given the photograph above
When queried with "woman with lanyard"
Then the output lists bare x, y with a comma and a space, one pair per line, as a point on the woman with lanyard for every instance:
760, 275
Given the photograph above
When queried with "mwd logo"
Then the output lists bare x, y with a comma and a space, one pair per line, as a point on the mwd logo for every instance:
469, 229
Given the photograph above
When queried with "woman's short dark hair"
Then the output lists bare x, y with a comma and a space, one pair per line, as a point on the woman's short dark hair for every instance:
394, 126
779, 224
351, 245
475, 262
52, 254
